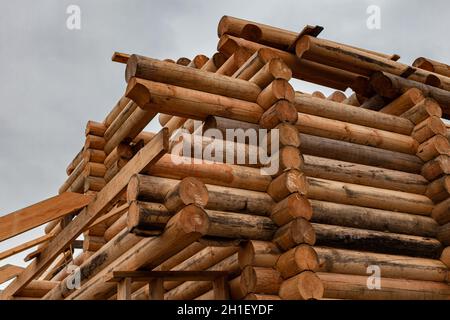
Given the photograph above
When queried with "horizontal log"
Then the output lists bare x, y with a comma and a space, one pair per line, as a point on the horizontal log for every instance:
391, 266
422, 111
376, 241
298, 259
304, 286
428, 128
433, 147
318, 167
123, 101
37, 288
347, 193
441, 212
432, 65
345, 131
258, 254
296, 232
95, 128
191, 78
273, 69
403, 103
439, 189
355, 153
149, 188
443, 234
340, 286
436, 167
189, 103
445, 256
260, 280
291, 207
364, 117
291, 181
372, 219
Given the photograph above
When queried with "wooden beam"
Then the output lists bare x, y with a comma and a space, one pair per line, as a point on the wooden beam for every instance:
145, 157
9, 271
146, 276
42, 212
120, 57
25, 246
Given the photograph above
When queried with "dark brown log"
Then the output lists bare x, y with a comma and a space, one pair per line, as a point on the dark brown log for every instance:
376, 241
372, 219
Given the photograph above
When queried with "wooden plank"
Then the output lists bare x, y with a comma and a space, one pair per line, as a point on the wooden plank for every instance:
156, 289
112, 213
25, 246
220, 289
146, 276
9, 271
42, 212
145, 157
124, 289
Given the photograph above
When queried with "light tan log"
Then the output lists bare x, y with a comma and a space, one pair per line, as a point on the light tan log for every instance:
292, 181
433, 147
347, 193
189, 103
115, 111
373, 219
340, 130
149, 188
304, 286
355, 153
439, 189
391, 86
432, 65
391, 266
120, 120
281, 112
258, 254
211, 173
37, 288
337, 96
184, 228
403, 103
297, 260
291, 207
376, 241
181, 256
169, 73
95, 128
422, 111
134, 124
198, 62
187, 191
260, 280
74, 175
340, 286
272, 70
429, 128
436, 167
296, 232
278, 89
353, 100
372, 176
342, 112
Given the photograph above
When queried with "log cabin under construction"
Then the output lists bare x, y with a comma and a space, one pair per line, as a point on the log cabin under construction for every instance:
358, 206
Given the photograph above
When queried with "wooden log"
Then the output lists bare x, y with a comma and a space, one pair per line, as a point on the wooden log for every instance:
355, 153
340, 286
184, 228
337, 96
187, 191
220, 123
193, 289
198, 62
37, 288
154, 189
256, 62
304, 286
74, 175
433, 147
211, 173
216, 61
94, 142
372, 219
253, 296
422, 111
75, 162
436, 167
120, 120
275, 69
318, 167
258, 254
375, 102
376, 241
443, 234
404, 102
299, 259
432, 66
291, 207
183, 61
391, 86
191, 78
429, 128
278, 89
260, 280
181, 256
345, 131
95, 128
391, 266
93, 184
296, 232
123, 101
353, 100
339, 111
189, 103
441, 212
8, 272
134, 124
292, 181
281, 112
445, 256
117, 226
347, 193
438, 190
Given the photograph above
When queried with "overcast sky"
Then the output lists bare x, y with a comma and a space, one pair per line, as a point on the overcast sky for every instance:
53, 80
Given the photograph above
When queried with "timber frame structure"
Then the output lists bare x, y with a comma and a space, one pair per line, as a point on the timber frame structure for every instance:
363, 181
